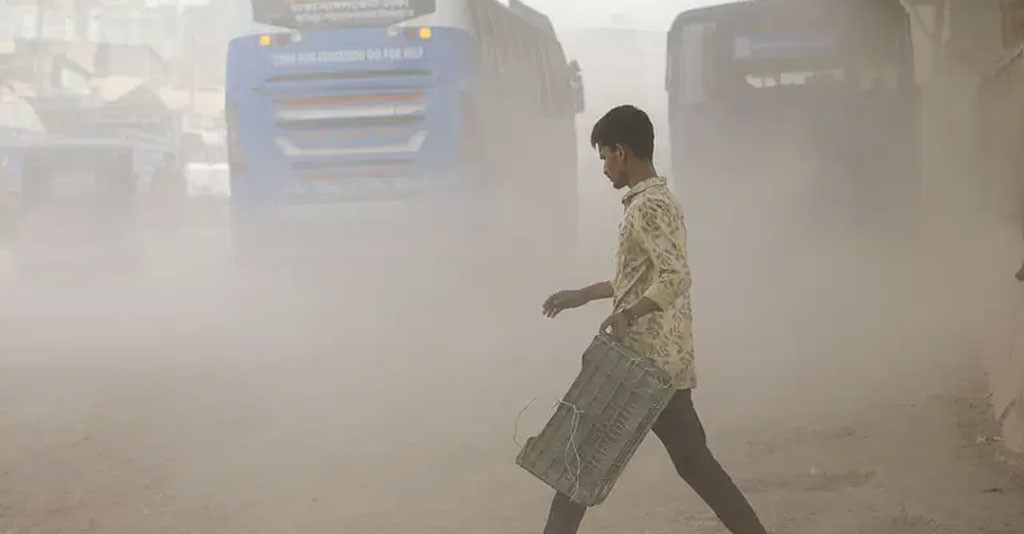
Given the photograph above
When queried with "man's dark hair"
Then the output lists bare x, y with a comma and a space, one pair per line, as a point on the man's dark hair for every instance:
628, 126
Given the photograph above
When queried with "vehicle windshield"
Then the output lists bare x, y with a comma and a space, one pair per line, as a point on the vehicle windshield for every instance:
771, 52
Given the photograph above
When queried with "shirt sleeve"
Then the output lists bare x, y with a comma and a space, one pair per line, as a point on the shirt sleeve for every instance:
662, 235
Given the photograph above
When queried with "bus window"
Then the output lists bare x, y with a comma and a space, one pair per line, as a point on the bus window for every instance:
556, 80
524, 58
485, 34
498, 37
695, 71
478, 33
533, 82
515, 75
543, 89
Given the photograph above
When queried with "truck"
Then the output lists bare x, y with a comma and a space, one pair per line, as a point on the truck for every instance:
75, 181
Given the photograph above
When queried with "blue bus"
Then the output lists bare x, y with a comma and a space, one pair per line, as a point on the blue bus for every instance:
764, 90
350, 101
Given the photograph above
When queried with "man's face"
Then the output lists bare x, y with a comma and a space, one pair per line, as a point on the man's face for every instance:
614, 159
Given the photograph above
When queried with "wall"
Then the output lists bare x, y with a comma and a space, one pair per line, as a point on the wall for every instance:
974, 127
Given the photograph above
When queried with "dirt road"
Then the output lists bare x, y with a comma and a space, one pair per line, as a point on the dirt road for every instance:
837, 383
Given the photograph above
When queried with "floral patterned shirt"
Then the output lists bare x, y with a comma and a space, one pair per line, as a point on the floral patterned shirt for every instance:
651, 262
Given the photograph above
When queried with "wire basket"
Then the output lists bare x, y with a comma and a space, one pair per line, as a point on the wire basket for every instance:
599, 424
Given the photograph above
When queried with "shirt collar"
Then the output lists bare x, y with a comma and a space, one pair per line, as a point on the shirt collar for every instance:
644, 185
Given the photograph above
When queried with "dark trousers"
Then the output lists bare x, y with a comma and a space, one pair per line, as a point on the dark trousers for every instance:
680, 430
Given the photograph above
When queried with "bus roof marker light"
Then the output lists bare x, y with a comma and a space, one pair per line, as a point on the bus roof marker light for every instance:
426, 33
265, 40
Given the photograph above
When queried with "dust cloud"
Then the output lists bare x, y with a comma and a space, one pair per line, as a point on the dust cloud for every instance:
374, 386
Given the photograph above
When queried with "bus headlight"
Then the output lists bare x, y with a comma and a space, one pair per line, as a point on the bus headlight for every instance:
266, 40
426, 33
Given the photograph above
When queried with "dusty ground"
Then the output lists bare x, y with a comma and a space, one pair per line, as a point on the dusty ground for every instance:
838, 384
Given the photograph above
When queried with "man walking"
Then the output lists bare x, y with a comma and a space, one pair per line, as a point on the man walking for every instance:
651, 314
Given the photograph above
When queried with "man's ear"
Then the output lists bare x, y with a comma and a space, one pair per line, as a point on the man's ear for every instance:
620, 152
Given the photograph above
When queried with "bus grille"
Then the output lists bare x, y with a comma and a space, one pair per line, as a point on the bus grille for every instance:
351, 135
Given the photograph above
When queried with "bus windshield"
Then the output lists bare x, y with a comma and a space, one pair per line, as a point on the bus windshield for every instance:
334, 14
769, 48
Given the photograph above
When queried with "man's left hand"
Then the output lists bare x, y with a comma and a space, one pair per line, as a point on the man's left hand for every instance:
615, 325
